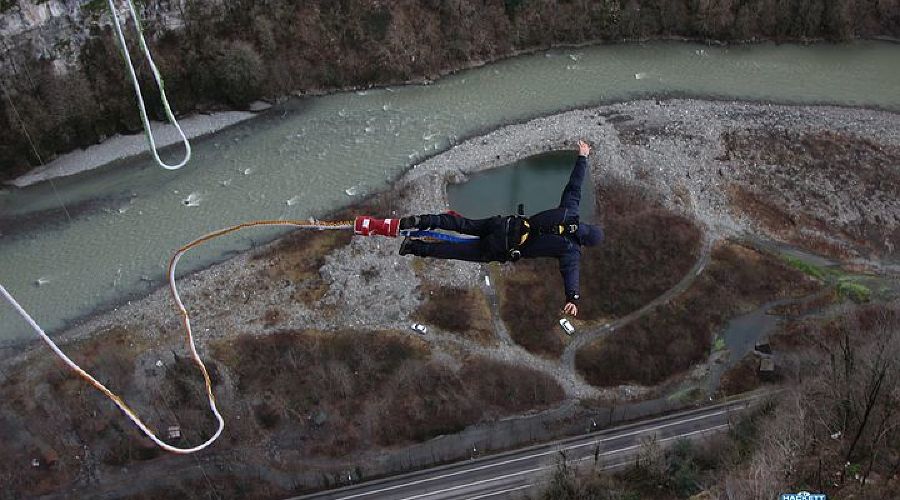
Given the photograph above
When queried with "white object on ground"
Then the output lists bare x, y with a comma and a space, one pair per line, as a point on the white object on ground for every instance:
418, 327
566, 326
193, 199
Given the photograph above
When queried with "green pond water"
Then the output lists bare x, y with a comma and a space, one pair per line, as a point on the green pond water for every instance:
537, 182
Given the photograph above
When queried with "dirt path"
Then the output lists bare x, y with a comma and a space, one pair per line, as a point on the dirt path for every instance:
583, 339
563, 369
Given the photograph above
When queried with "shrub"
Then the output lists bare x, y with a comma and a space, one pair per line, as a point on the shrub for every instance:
237, 73
459, 310
531, 299
857, 292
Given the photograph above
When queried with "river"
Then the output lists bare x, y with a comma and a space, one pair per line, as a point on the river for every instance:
302, 158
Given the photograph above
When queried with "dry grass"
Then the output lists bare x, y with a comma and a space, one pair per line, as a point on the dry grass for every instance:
802, 334
828, 298
298, 258
459, 310
742, 377
805, 168
340, 392
676, 335
49, 412
801, 229
646, 252
531, 300
644, 255
428, 399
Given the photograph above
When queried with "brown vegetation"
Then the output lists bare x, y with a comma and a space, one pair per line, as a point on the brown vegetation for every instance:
458, 310
308, 394
826, 298
742, 377
228, 54
531, 300
805, 167
52, 413
295, 259
428, 399
678, 334
647, 251
347, 391
836, 430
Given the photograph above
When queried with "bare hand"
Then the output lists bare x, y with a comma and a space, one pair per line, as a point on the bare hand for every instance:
583, 149
571, 308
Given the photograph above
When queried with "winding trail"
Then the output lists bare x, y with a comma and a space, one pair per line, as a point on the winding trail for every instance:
563, 369
568, 356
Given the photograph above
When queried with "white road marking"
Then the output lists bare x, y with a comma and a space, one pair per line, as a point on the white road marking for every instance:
487, 466
505, 476
476, 483
509, 490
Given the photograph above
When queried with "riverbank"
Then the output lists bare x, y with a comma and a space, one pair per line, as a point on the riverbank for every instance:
121, 147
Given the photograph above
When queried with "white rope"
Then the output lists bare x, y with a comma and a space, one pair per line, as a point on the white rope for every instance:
137, 87
312, 224
117, 400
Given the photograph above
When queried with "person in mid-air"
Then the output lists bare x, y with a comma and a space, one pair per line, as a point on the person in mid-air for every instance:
552, 233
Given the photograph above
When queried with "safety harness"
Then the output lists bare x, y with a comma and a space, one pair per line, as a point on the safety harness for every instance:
519, 231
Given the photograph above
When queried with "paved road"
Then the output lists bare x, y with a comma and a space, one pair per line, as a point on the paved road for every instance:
512, 473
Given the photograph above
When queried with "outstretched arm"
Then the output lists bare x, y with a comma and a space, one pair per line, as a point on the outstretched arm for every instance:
569, 268
571, 195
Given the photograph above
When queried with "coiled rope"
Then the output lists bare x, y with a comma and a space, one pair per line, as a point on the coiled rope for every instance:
137, 87
186, 321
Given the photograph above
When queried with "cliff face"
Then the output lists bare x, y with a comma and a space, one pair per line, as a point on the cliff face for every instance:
57, 30
64, 83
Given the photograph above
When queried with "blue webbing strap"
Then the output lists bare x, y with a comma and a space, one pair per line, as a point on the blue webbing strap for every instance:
439, 236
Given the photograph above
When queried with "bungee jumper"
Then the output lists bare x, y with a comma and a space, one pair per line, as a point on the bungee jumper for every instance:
552, 233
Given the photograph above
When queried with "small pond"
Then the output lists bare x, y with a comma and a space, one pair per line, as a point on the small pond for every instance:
536, 181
